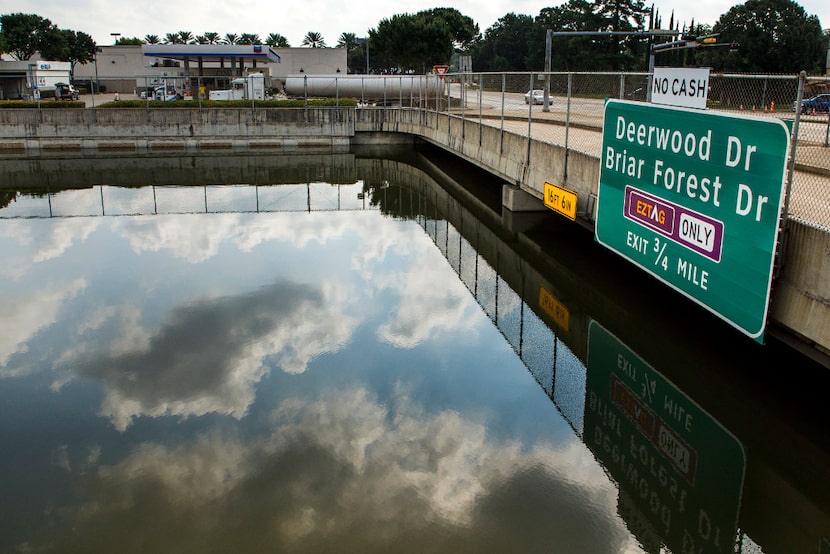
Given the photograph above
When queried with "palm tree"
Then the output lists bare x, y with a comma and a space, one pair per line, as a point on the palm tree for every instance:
230, 38
347, 41
249, 39
185, 37
171, 38
276, 40
211, 38
314, 39
152, 39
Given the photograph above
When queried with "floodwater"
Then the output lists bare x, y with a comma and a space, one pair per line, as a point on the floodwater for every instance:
359, 353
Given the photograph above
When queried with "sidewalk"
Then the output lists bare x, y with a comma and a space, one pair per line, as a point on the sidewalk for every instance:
810, 199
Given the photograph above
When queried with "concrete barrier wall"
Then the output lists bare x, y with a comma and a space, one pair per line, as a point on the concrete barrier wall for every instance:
801, 297
528, 164
35, 132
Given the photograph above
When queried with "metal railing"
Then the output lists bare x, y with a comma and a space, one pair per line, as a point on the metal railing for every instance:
569, 113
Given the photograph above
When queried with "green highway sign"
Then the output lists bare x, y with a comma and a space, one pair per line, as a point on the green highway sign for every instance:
678, 469
694, 198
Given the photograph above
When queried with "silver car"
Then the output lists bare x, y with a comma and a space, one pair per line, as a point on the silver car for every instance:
536, 96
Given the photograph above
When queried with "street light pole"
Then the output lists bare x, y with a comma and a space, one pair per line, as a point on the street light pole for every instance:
115, 38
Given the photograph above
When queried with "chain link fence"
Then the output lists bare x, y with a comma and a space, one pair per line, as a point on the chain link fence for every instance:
567, 109
561, 108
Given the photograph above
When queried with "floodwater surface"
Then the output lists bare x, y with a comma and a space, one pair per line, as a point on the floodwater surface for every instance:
243, 364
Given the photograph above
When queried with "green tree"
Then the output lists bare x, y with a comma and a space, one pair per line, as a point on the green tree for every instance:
185, 37
355, 51
775, 36
56, 48
504, 46
463, 29
347, 41
276, 40
313, 39
26, 34
171, 38
568, 53
80, 48
416, 42
623, 52
230, 38
129, 41
152, 39
211, 38
249, 39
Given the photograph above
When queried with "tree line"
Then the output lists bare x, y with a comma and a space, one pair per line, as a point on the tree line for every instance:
764, 36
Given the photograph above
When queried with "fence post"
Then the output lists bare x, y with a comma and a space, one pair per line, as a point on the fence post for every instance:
568, 124
501, 128
827, 131
449, 101
305, 98
480, 101
802, 77
463, 95
529, 118
785, 214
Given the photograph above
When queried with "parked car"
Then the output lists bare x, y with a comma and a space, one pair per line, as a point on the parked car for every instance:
65, 91
536, 96
818, 104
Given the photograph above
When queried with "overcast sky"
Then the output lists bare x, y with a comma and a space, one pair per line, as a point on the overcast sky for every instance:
293, 20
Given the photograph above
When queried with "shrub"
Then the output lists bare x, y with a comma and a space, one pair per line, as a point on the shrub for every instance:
291, 103
43, 104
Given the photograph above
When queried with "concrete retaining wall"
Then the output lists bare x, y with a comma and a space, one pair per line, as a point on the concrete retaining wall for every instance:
512, 157
801, 297
39, 132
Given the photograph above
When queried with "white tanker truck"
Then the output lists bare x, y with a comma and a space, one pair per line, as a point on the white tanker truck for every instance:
250, 87
366, 87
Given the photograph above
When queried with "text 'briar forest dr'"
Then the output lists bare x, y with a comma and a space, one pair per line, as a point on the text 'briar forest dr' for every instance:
695, 197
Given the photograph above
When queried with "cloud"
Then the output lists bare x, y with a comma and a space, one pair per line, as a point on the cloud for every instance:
425, 310
349, 472
24, 316
209, 354
47, 239
188, 238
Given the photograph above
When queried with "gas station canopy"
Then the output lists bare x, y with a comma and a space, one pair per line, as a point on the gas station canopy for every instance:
187, 52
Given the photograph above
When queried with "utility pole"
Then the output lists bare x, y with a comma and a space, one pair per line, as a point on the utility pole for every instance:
548, 52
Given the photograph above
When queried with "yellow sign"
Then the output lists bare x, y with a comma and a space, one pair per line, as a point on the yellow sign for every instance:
554, 308
560, 200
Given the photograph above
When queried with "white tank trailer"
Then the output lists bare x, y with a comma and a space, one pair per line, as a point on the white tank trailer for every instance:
250, 87
392, 88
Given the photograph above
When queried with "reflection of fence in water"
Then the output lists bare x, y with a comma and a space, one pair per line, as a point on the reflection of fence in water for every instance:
557, 370
104, 200
552, 364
